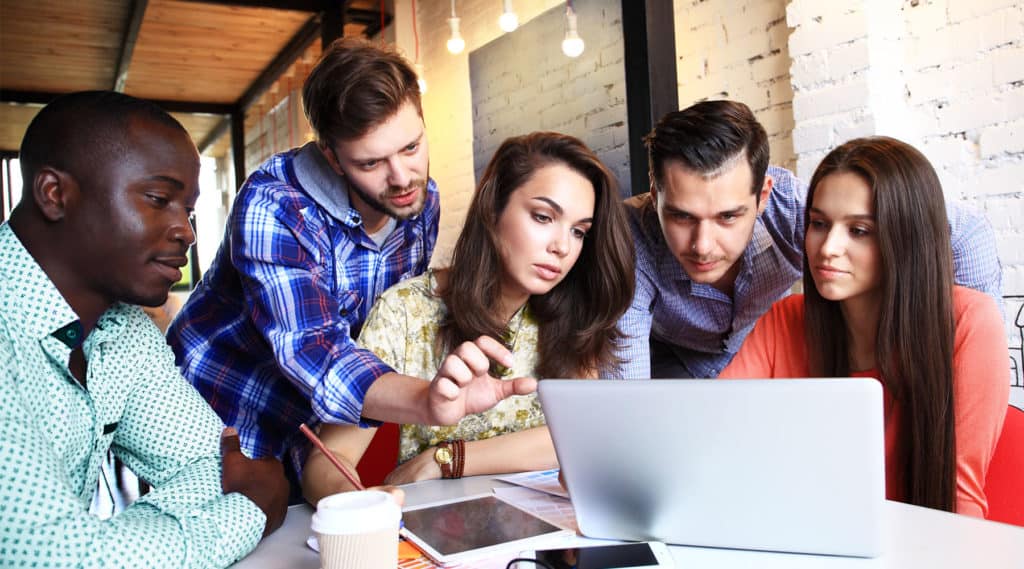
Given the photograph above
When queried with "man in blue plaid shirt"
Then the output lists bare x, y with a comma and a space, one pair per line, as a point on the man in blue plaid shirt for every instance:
315, 235
720, 237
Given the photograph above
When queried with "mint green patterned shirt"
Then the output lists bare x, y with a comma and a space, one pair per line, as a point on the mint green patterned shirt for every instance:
54, 434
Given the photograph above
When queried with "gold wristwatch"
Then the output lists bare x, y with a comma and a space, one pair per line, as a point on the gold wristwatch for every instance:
444, 457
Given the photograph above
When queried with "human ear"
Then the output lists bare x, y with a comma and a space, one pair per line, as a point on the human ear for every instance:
50, 191
653, 188
332, 159
766, 191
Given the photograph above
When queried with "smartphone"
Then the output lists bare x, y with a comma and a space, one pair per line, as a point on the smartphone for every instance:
641, 555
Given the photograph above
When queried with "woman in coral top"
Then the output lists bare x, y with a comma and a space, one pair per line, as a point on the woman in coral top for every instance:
880, 302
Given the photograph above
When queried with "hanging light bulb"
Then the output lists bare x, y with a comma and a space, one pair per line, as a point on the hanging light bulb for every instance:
455, 43
572, 45
509, 21
420, 78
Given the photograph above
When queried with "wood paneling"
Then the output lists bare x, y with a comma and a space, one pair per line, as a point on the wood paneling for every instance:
206, 52
58, 46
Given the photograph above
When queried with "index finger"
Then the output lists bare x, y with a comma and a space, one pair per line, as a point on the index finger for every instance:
495, 350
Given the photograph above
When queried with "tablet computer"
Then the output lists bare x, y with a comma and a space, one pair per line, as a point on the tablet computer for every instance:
453, 531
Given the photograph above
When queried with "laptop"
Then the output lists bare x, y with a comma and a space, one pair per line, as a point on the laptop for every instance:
794, 465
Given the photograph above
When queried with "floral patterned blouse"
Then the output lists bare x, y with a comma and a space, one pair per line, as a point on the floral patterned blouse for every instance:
402, 330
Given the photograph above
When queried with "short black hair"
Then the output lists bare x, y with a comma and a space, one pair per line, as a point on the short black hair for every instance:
707, 136
78, 130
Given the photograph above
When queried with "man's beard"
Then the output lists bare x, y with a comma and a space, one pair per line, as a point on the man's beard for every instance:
381, 207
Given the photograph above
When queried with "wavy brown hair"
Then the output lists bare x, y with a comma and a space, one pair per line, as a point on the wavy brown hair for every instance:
578, 317
914, 346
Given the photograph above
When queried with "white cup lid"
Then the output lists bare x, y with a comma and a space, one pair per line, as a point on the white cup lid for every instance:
356, 512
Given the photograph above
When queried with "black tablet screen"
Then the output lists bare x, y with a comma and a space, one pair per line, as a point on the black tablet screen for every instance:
472, 524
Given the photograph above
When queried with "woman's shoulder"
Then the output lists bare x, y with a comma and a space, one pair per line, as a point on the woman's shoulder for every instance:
975, 308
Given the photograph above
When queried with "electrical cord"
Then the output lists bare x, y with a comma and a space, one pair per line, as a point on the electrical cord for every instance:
536, 562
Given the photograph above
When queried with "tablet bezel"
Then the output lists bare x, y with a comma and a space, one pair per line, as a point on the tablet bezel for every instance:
511, 546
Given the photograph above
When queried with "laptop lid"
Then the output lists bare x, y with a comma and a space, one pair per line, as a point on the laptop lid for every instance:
781, 465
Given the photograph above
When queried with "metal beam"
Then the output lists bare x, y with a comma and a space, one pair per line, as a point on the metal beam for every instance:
238, 145
369, 18
648, 34
131, 34
281, 62
215, 133
334, 13
43, 98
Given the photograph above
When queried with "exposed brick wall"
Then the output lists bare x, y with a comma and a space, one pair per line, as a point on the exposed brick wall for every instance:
738, 49
520, 85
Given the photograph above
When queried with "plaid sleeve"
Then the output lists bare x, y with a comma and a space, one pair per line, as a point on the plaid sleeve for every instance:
283, 258
975, 255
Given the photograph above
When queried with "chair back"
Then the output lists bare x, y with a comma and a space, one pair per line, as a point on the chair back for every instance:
380, 457
1004, 486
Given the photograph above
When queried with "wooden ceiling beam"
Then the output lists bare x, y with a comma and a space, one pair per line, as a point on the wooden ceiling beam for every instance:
43, 98
131, 34
281, 62
294, 5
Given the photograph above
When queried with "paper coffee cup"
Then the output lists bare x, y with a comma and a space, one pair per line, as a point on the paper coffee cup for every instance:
357, 530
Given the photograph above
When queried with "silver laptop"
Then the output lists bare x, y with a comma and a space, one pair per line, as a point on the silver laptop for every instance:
792, 465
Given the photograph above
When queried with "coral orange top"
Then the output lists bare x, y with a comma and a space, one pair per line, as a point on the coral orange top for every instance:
776, 348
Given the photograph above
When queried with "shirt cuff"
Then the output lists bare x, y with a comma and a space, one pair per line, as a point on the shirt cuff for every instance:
239, 525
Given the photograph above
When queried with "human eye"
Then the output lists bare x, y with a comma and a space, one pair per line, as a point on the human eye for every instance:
368, 165
818, 224
579, 233
412, 147
860, 231
157, 200
541, 217
729, 216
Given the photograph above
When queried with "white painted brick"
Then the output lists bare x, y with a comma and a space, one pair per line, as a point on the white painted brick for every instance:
807, 162
944, 150
1008, 64
808, 70
780, 91
1002, 138
778, 36
929, 50
829, 100
1004, 179
926, 17
776, 119
1013, 284
847, 59
809, 136
770, 67
801, 11
834, 29
1005, 213
969, 114
1008, 243
960, 10
856, 126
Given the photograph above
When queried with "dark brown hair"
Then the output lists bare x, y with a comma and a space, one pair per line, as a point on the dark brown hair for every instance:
578, 318
914, 346
356, 86
705, 137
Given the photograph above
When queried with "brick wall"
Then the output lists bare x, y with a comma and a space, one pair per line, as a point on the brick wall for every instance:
520, 85
738, 49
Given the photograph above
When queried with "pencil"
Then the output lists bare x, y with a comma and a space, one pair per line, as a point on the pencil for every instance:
330, 456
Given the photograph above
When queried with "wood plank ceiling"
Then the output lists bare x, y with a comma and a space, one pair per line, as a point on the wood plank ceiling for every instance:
188, 56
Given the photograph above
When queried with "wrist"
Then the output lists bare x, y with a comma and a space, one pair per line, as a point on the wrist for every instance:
450, 457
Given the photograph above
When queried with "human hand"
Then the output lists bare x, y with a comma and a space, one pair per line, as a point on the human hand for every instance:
463, 384
420, 467
261, 480
396, 493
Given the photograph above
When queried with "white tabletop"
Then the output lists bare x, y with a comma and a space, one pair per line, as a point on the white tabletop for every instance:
915, 537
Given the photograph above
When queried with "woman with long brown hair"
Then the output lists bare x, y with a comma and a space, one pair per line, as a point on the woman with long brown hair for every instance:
544, 264
880, 302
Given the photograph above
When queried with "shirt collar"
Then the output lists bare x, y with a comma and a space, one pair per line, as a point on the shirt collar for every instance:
323, 184
29, 295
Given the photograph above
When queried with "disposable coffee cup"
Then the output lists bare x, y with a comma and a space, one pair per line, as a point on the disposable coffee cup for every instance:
357, 530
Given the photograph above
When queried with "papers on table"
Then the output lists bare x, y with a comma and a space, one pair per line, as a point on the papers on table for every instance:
540, 480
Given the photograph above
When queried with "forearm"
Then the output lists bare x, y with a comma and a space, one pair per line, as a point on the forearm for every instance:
396, 398
531, 449
320, 478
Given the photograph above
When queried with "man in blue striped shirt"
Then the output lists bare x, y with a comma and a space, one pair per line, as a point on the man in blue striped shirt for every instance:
719, 238
315, 235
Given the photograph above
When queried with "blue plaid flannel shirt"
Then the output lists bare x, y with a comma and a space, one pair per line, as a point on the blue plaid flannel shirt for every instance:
709, 324
268, 335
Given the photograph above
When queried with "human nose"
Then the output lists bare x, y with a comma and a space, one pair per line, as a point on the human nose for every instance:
833, 244
560, 242
183, 231
702, 240
398, 174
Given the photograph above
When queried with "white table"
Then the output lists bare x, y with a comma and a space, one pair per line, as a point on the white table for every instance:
916, 537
